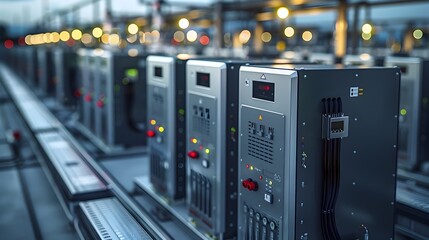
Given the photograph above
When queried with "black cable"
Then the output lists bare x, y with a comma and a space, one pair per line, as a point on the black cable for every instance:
324, 180
332, 107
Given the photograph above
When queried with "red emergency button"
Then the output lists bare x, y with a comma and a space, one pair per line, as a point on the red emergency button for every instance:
250, 185
150, 133
193, 154
16, 135
77, 93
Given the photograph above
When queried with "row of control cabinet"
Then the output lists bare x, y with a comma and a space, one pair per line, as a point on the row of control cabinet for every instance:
264, 152
256, 154
111, 92
109, 89
85, 195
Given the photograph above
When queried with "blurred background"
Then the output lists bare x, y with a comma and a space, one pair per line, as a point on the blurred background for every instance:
256, 26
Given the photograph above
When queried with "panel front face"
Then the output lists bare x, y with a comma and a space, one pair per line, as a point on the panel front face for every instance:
206, 151
102, 99
59, 73
83, 76
89, 97
161, 124
42, 70
266, 153
358, 169
409, 107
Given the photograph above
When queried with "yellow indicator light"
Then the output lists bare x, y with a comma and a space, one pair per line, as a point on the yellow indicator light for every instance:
251, 168
271, 182
161, 129
207, 150
403, 112
152, 122
194, 140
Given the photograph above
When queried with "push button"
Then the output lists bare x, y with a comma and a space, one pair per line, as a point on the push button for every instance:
272, 226
250, 185
193, 154
268, 197
150, 133
205, 163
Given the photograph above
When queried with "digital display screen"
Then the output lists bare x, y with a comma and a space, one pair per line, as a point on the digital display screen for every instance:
203, 79
263, 90
157, 71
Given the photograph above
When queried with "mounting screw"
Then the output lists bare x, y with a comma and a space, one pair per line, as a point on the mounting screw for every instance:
357, 75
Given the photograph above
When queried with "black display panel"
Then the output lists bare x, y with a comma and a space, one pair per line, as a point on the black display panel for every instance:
404, 69
263, 90
203, 79
158, 71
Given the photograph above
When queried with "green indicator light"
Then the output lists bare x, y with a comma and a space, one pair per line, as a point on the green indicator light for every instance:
182, 111
132, 73
233, 129
403, 112
125, 81
117, 88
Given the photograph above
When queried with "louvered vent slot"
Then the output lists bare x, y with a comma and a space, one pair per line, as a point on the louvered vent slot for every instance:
258, 146
201, 193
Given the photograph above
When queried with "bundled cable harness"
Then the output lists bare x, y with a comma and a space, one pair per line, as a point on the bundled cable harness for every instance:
334, 128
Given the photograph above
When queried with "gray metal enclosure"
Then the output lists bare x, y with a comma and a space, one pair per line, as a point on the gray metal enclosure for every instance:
314, 143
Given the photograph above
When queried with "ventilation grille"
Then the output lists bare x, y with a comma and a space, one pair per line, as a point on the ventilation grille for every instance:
201, 120
112, 221
201, 193
259, 147
96, 220
157, 168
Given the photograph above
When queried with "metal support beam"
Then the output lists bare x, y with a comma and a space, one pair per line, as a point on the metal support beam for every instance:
96, 11
355, 30
341, 31
219, 31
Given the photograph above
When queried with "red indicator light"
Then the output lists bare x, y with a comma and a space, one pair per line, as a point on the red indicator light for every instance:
100, 103
16, 135
150, 133
264, 88
88, 97
260, 177
204, 40
8, 44
247, 166
193, 154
